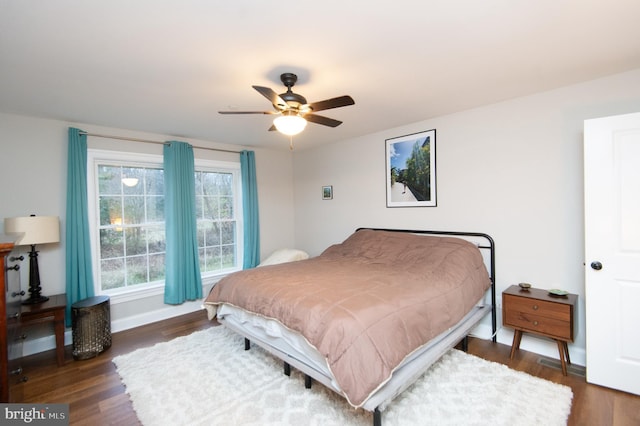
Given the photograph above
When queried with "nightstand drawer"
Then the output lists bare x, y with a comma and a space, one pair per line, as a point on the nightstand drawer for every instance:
543, 308
550, 327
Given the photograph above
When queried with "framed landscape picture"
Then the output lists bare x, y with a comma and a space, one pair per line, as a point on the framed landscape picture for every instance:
327, 192
411, 170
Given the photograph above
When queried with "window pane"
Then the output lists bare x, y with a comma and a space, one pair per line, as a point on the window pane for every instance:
156, 239
136, 270
136, 242
154, 181
198, 182
210, 184
110, 210
155, 208
213, 258
226, 208
112, 274
111, 243
212, 234
156, 267
109, 179
210, 208
228, 232
132, 180
133, 210
225, 183
198, 207
228, 256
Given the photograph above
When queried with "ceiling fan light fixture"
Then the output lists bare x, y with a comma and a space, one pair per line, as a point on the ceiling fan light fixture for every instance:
129, 181
290, 124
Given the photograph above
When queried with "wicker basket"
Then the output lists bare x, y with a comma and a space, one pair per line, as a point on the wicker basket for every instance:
91, 323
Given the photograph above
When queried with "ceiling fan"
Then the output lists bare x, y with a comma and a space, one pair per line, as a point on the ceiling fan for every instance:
293, 110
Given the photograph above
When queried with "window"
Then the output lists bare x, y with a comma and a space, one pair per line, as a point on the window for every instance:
126, 216
216, 224
131, 225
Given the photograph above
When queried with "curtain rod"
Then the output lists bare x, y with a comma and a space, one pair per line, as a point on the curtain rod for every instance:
122, 138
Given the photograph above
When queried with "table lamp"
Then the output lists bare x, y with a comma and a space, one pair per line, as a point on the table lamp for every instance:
34, 230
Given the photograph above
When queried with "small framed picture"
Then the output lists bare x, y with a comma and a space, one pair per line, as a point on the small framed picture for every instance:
327, 192
411, 170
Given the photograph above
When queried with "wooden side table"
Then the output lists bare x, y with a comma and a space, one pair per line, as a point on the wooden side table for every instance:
50, 311
536, 311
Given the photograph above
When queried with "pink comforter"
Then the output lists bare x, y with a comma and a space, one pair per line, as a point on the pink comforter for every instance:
367, 303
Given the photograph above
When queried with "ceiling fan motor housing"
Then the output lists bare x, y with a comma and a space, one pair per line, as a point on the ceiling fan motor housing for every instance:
294, 100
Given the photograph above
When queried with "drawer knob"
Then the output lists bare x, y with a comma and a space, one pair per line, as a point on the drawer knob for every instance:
535, 323
535, 307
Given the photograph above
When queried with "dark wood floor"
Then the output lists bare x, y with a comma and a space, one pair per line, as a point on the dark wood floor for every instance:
97, 397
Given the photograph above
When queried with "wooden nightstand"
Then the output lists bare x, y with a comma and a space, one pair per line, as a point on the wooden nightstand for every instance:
536, 311
50, 311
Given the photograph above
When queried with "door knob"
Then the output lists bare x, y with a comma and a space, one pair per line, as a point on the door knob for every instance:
596, 265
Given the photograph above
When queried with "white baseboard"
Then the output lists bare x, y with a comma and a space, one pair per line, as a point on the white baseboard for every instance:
47, 343
43, 344
541, 346
155, 316
532, 343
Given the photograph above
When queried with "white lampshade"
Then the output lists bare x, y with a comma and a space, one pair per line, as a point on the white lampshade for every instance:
35, 229
290, 124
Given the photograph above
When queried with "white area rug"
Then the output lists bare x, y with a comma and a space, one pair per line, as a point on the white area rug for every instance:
207, 378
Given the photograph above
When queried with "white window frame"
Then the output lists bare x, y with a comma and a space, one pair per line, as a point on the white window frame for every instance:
98, 156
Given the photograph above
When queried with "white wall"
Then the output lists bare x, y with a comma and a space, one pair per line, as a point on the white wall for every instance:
513, 170
33, 169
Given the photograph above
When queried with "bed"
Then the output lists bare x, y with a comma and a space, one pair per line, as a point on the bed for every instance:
368, 316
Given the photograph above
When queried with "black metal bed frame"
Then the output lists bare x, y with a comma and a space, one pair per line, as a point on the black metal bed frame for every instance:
377, 414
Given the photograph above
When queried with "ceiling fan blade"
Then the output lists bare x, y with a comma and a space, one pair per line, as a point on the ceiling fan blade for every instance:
248, 112
332, 103
272, 128
273, 97
325, 121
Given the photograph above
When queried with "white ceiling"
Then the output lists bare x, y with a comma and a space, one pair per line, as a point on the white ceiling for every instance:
168, 66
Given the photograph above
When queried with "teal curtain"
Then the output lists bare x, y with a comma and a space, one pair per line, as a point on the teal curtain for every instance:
182, 267
79, 273
251, 229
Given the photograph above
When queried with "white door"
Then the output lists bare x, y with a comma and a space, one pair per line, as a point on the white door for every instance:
612, 250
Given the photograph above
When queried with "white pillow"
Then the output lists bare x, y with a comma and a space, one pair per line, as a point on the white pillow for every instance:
283, 256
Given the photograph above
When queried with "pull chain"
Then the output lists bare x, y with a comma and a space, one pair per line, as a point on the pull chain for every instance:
290, 142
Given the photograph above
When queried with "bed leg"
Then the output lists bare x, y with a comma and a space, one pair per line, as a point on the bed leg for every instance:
287, 369
465, 344
377, 417
247, 344
307, 381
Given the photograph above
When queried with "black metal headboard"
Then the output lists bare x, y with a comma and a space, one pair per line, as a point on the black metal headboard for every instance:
488, 245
